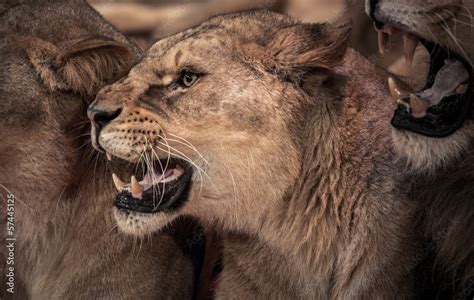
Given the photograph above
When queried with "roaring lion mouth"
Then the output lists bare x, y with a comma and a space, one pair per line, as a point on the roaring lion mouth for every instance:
445, 102
160, 185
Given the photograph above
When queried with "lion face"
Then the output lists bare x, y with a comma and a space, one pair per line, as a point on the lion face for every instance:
432, 126
209, 118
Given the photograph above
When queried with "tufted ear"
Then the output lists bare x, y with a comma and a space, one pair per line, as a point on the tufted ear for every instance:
300, 48
81, 66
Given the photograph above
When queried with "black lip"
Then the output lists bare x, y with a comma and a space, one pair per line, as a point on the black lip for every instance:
165, 197
445, 118
441, 121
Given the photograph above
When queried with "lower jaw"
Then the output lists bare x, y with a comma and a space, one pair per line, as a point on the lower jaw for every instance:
441, 121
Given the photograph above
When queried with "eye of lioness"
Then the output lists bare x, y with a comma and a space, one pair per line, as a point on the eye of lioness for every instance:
188, 78
210, 104
185, 79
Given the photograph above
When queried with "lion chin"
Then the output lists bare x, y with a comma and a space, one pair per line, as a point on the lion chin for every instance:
424, 154
141, 224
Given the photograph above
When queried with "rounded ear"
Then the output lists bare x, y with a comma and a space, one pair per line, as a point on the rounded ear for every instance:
81, 66
300, 48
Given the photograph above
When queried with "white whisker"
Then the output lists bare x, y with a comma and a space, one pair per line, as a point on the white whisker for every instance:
189, 144
162, 171
446, 28
189, 161
233, 183
185, 156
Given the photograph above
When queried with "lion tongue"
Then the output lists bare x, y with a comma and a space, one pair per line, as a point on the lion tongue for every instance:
138, 187
451, 76
449, 81
155, 176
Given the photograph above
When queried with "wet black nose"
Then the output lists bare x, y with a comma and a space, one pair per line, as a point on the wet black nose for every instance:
372, 4
371, 9
101, 117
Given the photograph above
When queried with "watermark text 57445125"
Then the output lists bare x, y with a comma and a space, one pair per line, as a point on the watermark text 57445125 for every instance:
10, 244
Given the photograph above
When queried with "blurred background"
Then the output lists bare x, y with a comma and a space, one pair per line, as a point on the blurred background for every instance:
147, 21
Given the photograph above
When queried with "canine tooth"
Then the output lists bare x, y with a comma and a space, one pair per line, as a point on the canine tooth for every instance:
394, 89
117, 182
136, 187
109, 156
382, 41
418, 106
410, 42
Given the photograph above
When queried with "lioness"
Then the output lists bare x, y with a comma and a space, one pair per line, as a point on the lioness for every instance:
434, 128
248, 121
62, 241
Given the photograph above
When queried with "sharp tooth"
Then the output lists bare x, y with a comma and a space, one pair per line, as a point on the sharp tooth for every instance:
117, 182
109, 156
418, 106
382, 39
409, 46
394, 89
136, 187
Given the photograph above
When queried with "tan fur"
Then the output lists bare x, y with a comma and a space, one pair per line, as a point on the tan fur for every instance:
441, 169
426, 155
288, 147
67, 245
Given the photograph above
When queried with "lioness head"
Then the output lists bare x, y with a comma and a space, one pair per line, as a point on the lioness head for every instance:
214, 117
49, 73
434, 125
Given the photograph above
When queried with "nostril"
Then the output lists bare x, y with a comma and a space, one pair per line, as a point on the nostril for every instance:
103, 117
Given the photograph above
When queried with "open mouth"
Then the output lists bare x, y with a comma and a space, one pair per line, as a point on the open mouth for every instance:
164, 185
444, 104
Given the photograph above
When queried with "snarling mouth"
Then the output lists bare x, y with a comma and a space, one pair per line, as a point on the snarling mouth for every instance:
444, 104
164, 185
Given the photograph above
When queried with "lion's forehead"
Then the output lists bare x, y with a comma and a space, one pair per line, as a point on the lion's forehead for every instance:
165, 57
221, 34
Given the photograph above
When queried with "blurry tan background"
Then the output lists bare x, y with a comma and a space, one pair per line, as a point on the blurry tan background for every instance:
150, 20
146, 21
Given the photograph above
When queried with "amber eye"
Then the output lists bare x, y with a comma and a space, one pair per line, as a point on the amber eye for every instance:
189, 78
